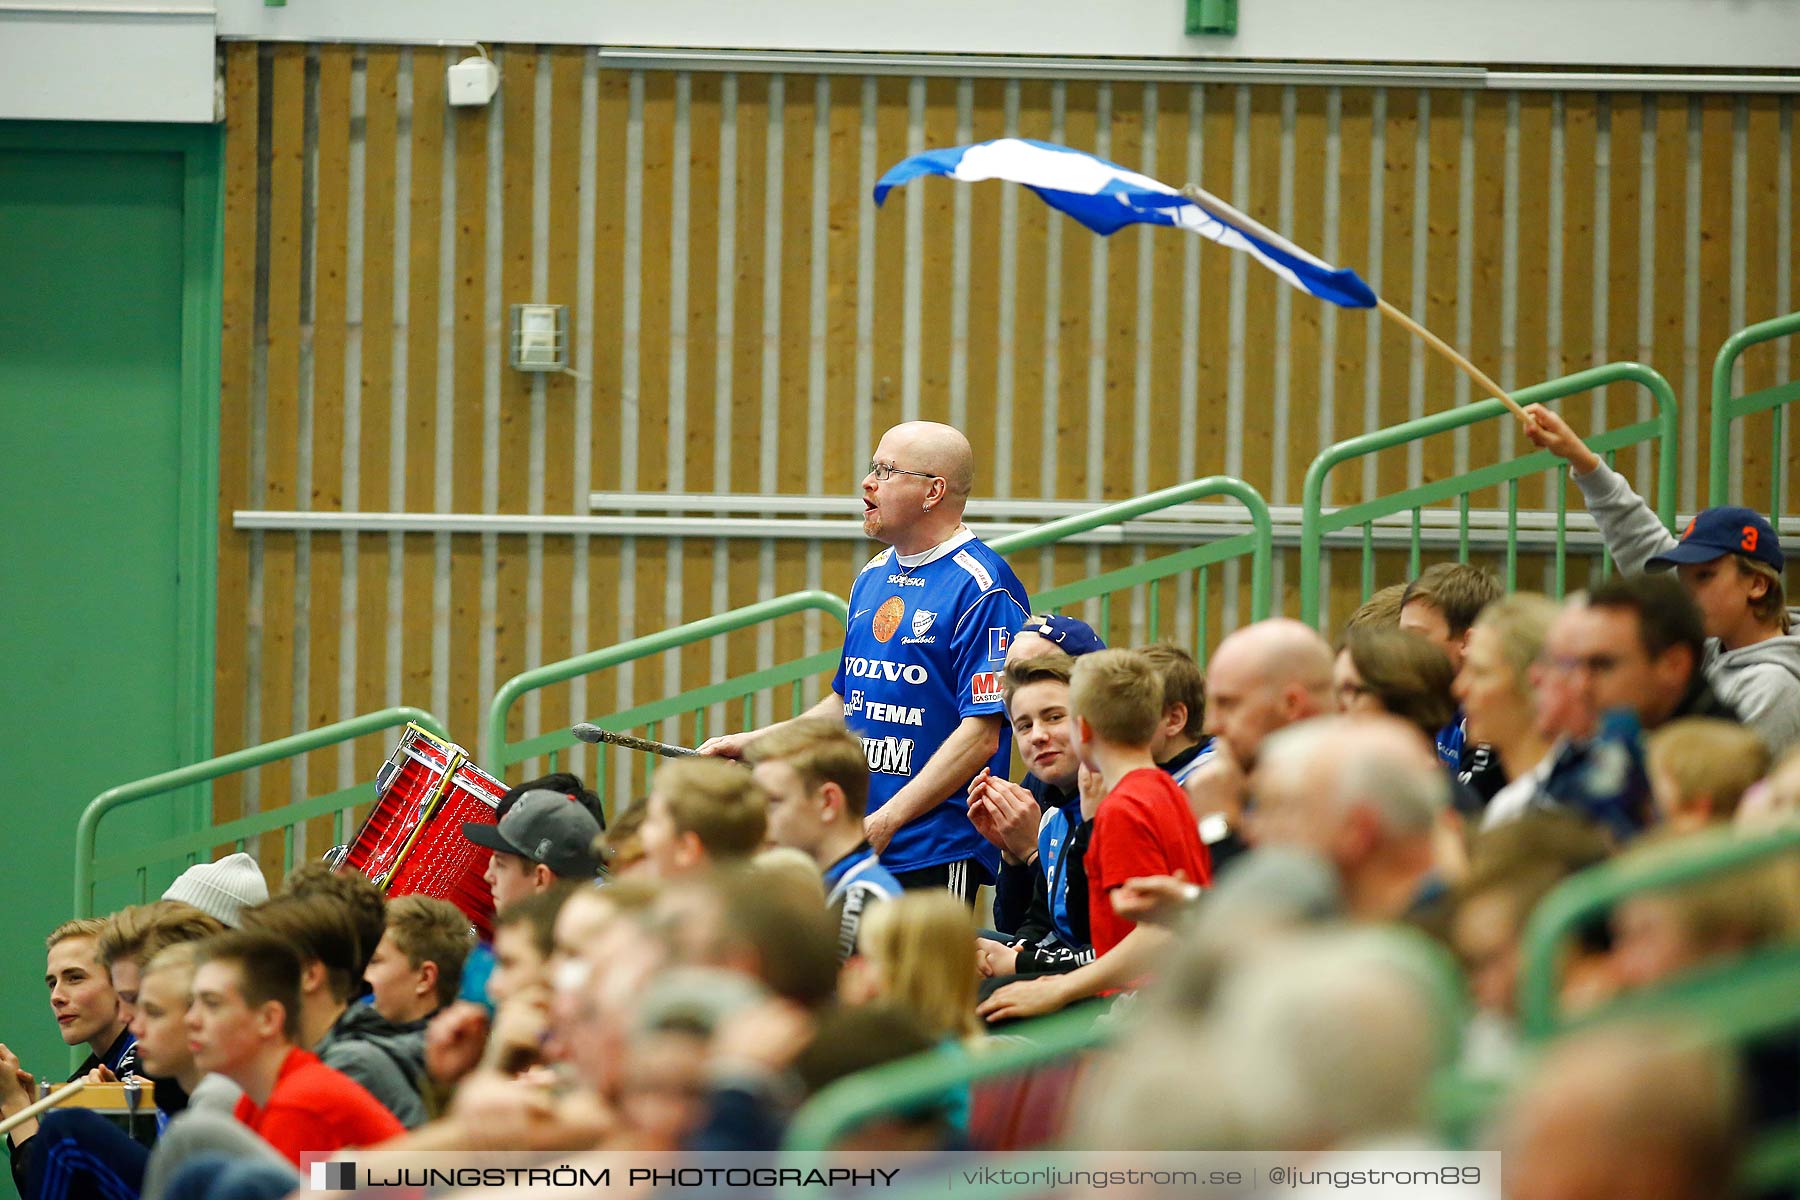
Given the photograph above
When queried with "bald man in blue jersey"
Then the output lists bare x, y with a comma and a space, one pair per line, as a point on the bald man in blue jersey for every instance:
919, 680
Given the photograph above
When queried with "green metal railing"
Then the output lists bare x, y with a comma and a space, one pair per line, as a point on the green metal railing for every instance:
898, 1086
90, 869
1317, 522
1727, 408
1257, 543
1748, 991
502, 753
1741, 1002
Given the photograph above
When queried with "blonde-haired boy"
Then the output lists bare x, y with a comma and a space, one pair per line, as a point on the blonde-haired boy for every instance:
701, 812
1700, 767
1142, 827
817, 781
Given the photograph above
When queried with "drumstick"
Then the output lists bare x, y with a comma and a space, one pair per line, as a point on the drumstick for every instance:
593, 733
31, 1110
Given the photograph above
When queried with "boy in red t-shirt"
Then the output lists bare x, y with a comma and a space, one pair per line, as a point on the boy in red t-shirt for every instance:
242, 1024
1142, 826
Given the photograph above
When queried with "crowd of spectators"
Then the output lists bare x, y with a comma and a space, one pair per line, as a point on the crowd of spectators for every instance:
1250, 869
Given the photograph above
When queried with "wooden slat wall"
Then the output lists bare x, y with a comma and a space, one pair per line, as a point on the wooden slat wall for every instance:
275, 414
557, 635
328, 640
380, 414
238, 339
745, 320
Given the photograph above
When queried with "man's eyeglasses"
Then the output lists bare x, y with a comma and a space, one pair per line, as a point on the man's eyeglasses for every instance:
1593, 664
885, 471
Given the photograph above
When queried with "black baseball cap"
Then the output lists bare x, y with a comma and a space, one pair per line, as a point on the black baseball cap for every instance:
546, 827
1716, 532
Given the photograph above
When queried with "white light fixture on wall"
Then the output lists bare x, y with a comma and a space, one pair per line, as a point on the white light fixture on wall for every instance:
540, 337
473, 81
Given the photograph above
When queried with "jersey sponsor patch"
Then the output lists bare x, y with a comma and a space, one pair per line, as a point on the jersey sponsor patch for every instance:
968, 562
998, 641
889, 755
887, 618
984, 687
893, 714
854, 704
880, 668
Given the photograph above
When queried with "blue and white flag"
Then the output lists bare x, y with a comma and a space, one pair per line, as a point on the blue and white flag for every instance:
1106, 197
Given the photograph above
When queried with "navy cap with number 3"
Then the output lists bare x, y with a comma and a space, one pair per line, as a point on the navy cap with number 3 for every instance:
1716, 532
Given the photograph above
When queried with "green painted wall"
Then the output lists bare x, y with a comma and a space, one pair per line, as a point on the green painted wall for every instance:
108, 334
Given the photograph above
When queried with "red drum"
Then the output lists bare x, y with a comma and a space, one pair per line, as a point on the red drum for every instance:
413, 843
447, 865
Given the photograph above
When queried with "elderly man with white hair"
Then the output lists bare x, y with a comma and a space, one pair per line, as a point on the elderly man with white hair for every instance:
1364, 794
1329, 1038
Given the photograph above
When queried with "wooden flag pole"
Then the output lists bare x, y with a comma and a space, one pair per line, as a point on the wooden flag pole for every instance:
48, 1102
1436, 343
1224, 213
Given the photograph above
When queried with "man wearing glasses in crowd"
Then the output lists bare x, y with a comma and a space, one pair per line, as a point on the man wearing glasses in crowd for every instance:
919, 681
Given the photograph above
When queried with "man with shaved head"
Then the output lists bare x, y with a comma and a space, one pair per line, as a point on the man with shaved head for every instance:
931, 618
1262, 678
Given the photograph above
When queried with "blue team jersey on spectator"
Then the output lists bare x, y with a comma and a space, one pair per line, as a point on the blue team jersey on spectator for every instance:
1450, 741
1054, 834
1604, 777
1179, 769
924, 649
476, 969
859, 867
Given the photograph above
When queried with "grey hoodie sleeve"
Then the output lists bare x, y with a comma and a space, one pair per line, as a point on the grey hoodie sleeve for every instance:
1632, 532
1762, 682
1769, 700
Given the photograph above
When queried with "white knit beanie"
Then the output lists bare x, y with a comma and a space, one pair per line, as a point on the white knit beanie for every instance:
222, 888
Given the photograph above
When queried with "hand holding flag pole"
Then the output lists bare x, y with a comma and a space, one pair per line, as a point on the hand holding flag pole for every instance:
1106, 197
